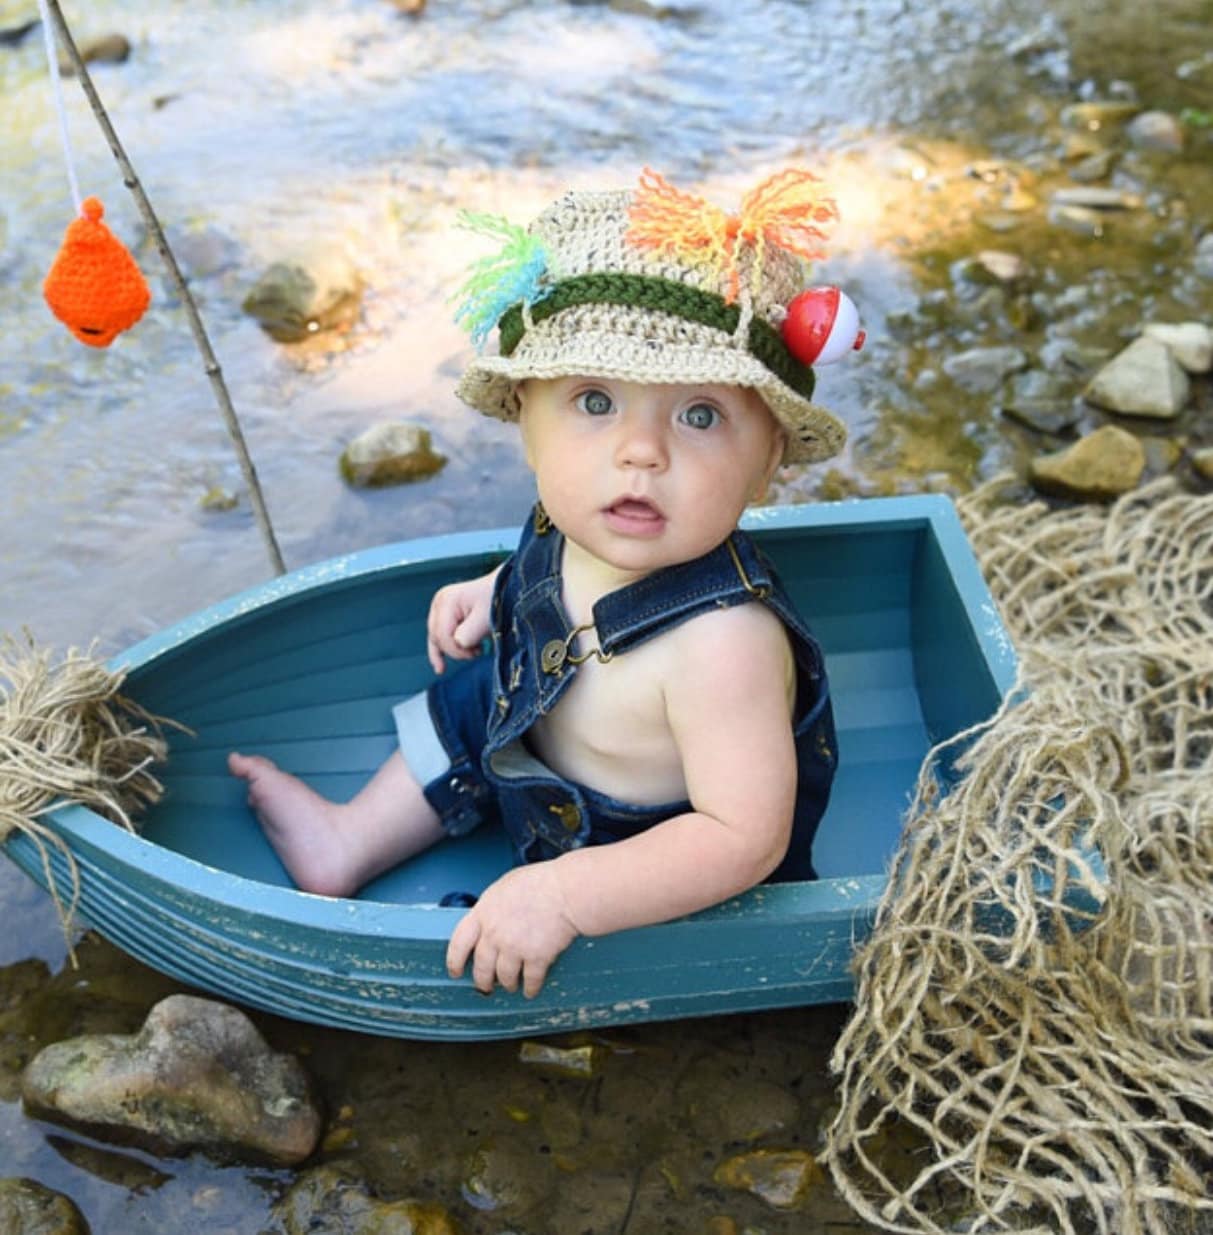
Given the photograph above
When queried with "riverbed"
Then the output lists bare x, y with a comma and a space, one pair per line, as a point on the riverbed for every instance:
266, 129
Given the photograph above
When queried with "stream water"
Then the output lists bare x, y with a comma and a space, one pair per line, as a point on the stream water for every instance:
262, 129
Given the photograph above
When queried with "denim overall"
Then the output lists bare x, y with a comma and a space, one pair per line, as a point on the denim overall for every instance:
534, 659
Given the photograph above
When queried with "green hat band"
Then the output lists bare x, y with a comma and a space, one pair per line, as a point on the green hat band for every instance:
649, 292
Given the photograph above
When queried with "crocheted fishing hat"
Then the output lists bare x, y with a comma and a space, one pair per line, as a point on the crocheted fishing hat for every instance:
651, 286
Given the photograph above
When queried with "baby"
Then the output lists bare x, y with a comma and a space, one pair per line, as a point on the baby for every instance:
653, 726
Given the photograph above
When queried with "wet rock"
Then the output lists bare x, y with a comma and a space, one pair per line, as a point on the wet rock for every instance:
1202, 462
1096, 166
108, 49
1156, 130
1051, 416
334, 1200
29, 1208
996, 266
579, 1062
984, 368
218, 500
783, 1178
293, 300
1094, 116
504, 1175
641, 8
1191, 343
1098, 467
198, 1075
390, 454
1095, 198
1143, 380
1081, 220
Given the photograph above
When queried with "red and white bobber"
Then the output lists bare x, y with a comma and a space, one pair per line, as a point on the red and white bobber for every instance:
822, 325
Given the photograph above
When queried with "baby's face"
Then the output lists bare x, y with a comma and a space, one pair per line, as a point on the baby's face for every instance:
646, 476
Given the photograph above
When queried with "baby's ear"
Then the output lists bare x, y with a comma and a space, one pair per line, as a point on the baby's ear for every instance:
779, 444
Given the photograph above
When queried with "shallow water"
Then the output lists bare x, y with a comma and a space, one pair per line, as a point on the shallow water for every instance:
264, 127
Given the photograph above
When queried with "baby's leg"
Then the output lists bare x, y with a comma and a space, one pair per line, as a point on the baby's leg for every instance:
333, 848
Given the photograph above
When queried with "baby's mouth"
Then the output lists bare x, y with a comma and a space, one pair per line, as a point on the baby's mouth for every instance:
635, 514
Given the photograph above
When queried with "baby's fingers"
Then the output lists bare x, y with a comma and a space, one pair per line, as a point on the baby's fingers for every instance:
463, 942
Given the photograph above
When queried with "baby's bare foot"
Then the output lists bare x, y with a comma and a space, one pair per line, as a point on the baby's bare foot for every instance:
303, 827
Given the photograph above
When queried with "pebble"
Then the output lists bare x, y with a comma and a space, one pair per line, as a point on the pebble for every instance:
1092, 197
1097, 115
1101, 466
1156, 130
1081, 220
984, 368
783, 1178
1202, 461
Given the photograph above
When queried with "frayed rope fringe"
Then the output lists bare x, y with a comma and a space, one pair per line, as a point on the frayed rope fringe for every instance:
1046, 1077
68, 736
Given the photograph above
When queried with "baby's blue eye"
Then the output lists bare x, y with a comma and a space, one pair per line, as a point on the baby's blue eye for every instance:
595, 402
700, 416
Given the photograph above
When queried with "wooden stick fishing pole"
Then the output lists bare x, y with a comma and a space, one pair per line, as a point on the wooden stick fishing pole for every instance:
213, 371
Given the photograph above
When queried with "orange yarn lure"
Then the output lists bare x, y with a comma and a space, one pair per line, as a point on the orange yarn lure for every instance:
94, 287
790, 210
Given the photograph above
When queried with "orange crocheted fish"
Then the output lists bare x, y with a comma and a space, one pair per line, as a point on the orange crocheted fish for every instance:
94, 287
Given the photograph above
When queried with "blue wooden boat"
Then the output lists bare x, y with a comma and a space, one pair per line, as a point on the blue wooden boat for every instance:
305, 669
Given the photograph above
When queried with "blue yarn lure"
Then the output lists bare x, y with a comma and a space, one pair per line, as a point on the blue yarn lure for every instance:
513, 275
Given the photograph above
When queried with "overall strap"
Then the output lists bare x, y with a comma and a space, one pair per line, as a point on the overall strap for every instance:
731, 574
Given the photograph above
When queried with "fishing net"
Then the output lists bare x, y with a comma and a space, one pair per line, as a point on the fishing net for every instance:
67, 734
1033, 1021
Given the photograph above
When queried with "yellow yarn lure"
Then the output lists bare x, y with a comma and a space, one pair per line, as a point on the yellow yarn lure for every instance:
790, 210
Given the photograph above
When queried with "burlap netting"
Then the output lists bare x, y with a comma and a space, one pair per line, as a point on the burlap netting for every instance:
583, 233
1049, 1077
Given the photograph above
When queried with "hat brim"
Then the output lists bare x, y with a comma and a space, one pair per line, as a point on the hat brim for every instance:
550, 349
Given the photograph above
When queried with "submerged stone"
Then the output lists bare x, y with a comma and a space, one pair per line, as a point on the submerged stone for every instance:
334, 1200
1143, 380
198, 1075
29, 1208
984, 368
1101, 466
390, 454
579, 1062
783, 1178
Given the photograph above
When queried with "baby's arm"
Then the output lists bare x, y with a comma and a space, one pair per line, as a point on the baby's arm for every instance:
727, 705
459, 619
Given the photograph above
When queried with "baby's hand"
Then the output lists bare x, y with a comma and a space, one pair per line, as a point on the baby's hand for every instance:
516, 930
459, 620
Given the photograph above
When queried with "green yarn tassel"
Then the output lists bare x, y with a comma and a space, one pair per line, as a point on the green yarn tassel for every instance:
513, 275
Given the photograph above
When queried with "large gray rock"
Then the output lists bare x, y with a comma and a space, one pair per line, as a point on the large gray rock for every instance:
1143, 380
198, 1075
29, 1208
1099, 467
1156, 130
